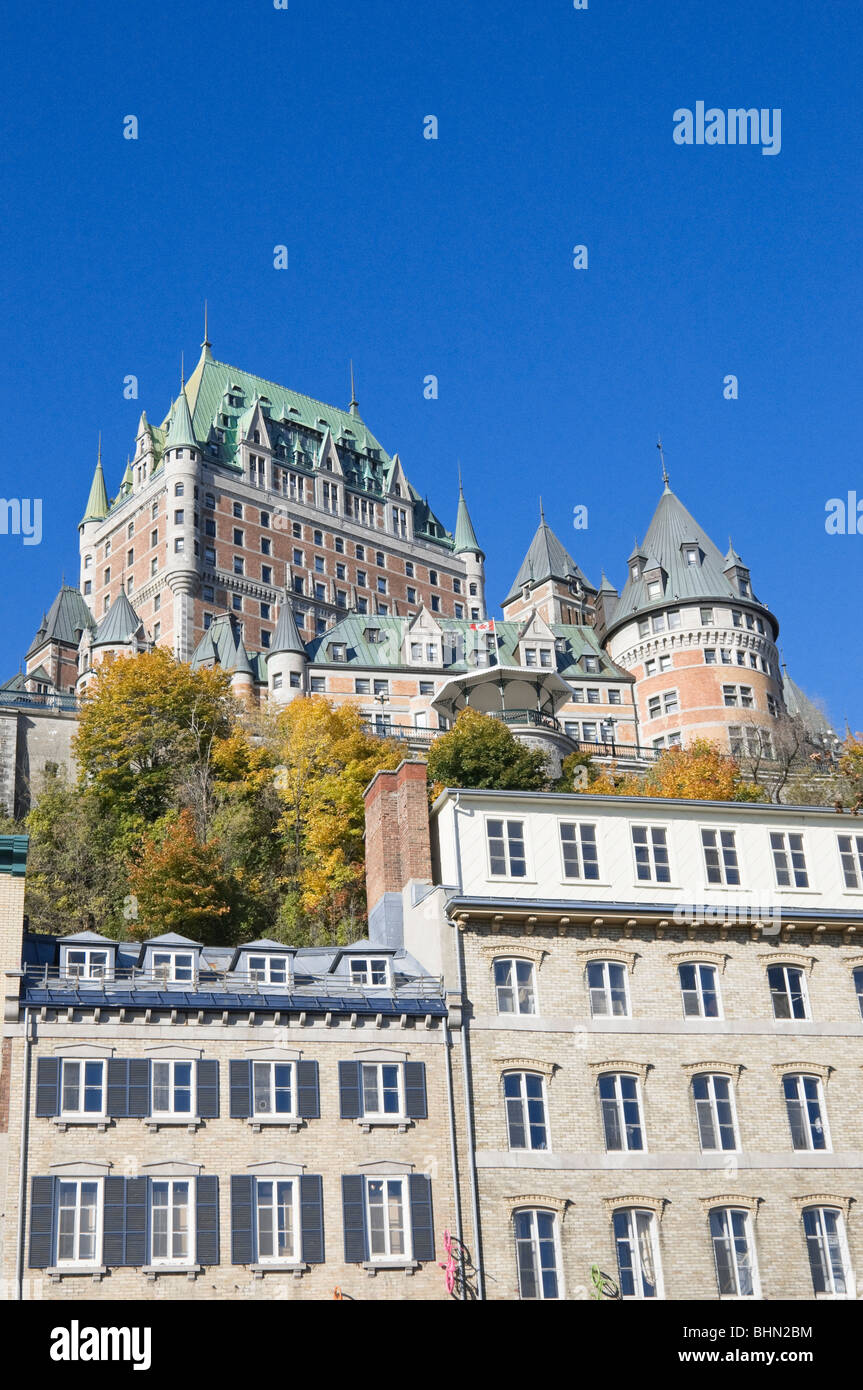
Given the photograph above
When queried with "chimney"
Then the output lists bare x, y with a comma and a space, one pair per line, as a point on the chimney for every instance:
398, 845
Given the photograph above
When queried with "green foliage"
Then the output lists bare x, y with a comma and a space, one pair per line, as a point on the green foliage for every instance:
480, 751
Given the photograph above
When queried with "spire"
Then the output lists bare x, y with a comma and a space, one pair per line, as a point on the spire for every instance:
662, 460
206, 343
465, 536
182, 370
541, 511
97, 503
354, 405
206, 355
286, 637
126, 485
180, 432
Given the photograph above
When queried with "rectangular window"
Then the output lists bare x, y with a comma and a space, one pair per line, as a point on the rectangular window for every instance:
714, 1112
382, 1089
637, 1253
788, 991
371, 971
651, 854
506, 850
171, 1222
515, 988
720, 857
829, 1260
82, 1090
851, 854
361, 686
621, 1112
733, 1253
699, 987
614, 697
729, 694
789, 859
276, 1203
578, 844
173, 1088
318, 685
526, 1119
592, 695
273, 1090
385, 1205
805, 1105
84, 964
172, 967
710, 656
537, 1255
606, 986
79, 1220
381, 687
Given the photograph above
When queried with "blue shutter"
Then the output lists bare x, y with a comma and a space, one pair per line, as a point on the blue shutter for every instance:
137, 1213
308, 1095
208, 1089
422, 1220
354, 1219
312, 1219
41, 1223
114, 1223
138, 1100
118, 1087
416, 1107
240, 1078
350, 1096
48, 1086
207, 1220
242, 1219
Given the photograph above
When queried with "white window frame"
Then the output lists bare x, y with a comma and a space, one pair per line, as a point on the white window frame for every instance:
506, 821
370, 966
272, 1112
378, 1068
698, 991
855, 853
265, 976
619, 1103
75, 1262
388, 1255
96, 964
523, 1101
634, 1243
787, 853
82, 1063
605, 989
804, 992
577, 844
650, 827
533, 1240
727, 1213
712, 1102
172, 1063
170, 1260
822, 1240
721, 852
172, 962
277, 1258
514, 986
802, 1104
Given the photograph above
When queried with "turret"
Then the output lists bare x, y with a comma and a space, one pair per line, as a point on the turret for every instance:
286, 658
467, 547
94, 514
181, 459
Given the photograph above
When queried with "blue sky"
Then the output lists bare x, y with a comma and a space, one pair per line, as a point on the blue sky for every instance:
453, 257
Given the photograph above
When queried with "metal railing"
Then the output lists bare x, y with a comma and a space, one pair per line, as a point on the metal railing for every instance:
634, 751
30, 699
123, 979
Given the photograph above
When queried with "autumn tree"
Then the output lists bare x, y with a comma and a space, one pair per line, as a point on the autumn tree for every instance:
480, 751
177, 883
325, 760
147, 734
699, 772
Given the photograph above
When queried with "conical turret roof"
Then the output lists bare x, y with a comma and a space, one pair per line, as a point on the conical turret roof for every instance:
181, 434
286, 637
119, 625
547, 558
97, 503
465, 536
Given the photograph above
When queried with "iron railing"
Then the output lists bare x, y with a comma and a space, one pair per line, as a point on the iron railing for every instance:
122, 979
29, 699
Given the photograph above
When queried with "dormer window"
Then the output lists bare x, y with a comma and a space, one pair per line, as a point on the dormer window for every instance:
339, 651
370, 971
173, 967
268, 970
86, 964
590, 663
743, 585
633, 571
654, 588
690, 554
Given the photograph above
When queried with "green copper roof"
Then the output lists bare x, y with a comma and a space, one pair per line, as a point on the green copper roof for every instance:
286, 637
465, 536
222, 645
797, 702
119, 624
66, 619
97, 503
546, 558
181, 435
670, 530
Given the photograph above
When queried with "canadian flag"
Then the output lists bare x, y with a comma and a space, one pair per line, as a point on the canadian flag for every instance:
483, 627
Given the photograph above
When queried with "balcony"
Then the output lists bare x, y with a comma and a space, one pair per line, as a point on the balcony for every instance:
25, 699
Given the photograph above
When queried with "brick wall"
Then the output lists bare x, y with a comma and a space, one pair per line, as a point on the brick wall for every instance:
398, 846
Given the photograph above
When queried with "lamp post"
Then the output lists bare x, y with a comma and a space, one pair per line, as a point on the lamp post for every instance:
383, 700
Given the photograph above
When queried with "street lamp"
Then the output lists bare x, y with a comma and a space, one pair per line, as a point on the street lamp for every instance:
383, 700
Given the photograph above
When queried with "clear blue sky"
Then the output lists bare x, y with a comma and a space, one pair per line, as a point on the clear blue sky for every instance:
453, 257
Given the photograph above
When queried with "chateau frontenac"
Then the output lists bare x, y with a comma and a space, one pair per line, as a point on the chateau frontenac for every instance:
261, 530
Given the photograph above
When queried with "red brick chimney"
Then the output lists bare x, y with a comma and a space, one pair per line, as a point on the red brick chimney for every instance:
398, 846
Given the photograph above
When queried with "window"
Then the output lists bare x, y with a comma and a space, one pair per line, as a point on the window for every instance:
829, 1260
318, 685
729, 693
86, 964
319, 564
804, 1102
733, 1252
651, 854
237, 603
88, 586
173, 1088
173, 966
209, 527
82, 1091
621, 1111
710, 656
435, 603
673, 621
637, 1253
171, 1222
273, 1090
643, 625
209, 555
382, 1089
515, 986
361, 686
714, 1112
788, 991
276, 1203
526, 1116
590, 663
361, 579
789, 860
238, 510
79, 1220
426, 688
665, 663
381, 687
592, 695
720, 856
578, 844
536, 1252
858, 987
699, 986
369, 971
614, 697
385, 1209
239, 566
658, 622
266, 545
506, 853
851, 854
653, 588
606, 986
270, 970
